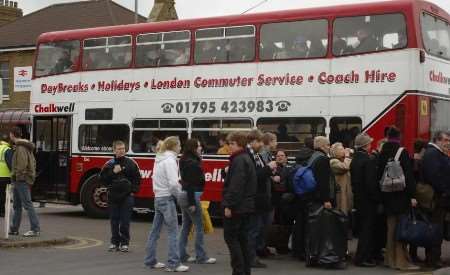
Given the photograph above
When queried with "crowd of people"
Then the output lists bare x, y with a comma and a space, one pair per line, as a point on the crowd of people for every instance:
373, 188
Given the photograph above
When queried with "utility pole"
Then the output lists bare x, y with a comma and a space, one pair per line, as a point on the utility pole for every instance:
136, 11
163, 10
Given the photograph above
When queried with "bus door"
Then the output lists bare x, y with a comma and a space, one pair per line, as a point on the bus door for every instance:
51, 135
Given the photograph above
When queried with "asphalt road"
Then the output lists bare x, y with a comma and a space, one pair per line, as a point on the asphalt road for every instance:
89, 255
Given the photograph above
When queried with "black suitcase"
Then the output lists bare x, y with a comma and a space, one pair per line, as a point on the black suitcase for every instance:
326, 237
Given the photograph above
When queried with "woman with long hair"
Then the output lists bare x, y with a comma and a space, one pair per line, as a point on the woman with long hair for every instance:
166, 188
193, 182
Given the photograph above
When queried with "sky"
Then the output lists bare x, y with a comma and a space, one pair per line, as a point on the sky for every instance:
207, 8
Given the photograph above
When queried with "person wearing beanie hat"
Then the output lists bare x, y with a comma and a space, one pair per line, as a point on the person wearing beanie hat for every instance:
365, 198
396, 203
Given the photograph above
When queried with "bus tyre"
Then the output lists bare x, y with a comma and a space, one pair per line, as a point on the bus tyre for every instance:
94, 198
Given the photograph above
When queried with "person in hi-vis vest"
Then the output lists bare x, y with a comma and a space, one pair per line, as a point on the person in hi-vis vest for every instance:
6, 154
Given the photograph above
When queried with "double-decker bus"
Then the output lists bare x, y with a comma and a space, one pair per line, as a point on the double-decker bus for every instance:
332, 71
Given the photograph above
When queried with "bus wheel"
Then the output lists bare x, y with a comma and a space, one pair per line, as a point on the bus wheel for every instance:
94, 198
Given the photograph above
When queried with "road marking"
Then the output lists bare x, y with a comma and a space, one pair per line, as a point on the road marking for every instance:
81, 243
417, 273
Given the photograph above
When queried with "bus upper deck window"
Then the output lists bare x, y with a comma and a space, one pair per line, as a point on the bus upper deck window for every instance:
436, 36
219, 45
107, 53
57, 57
365, 34
294, 40
163, 49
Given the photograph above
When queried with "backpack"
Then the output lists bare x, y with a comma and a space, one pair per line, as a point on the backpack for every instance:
393, 179
304, 181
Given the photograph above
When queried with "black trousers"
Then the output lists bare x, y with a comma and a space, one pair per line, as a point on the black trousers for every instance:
301, 207
120, 216
437, 217
366, 217
235, 232
3, 183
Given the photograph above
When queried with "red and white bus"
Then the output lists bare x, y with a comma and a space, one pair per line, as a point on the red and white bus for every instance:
331, 71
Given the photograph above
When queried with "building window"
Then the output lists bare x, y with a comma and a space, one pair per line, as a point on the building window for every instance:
4, 78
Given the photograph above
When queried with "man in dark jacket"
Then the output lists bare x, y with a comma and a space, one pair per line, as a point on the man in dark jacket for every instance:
366, 196
23, 175
263, 217
122, 177
436, 172
238, 200
321, 196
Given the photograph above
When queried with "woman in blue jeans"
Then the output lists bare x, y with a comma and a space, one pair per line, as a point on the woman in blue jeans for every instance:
166, 188
193, 182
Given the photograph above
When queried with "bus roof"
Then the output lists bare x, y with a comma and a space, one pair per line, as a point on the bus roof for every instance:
407, 6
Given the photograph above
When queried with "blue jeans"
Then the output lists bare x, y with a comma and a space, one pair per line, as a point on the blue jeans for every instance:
165, 213
259, 226
190, 218
120, 216
22, 198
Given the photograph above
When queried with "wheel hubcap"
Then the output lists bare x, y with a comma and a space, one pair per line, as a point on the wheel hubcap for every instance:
100, 197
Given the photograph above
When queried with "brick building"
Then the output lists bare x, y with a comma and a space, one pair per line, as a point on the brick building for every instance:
18, 37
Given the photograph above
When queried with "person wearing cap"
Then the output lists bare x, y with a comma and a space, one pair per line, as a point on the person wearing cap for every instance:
365, 195
396, 203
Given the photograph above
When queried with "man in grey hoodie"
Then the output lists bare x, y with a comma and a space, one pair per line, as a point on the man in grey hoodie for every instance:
23, 175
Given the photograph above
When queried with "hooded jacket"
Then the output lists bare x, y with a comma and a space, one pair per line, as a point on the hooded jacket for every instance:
23, 162
165, 175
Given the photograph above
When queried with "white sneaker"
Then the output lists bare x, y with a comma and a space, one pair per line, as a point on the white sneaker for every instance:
180, 268
31, 233
210, 261
158, 266
191, 259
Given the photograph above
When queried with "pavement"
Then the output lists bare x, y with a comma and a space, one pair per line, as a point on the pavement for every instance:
87, 253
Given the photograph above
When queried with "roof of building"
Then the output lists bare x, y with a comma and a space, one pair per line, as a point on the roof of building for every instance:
76, 15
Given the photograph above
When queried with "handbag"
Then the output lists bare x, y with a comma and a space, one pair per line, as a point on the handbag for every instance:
416, 229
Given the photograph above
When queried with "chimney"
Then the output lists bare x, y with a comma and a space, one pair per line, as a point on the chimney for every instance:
163, 10
9, 11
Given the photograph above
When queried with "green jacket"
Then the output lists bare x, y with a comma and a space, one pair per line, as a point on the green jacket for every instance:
23, 163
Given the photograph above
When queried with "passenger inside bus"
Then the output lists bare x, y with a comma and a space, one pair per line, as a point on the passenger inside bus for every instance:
402, 40
208, 52
176, 56
366, 40
121, 57
316, 48
63, 63
283, 136
299, 48
340, 46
